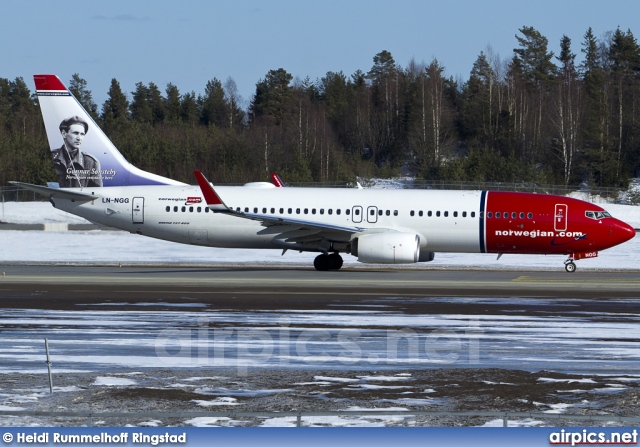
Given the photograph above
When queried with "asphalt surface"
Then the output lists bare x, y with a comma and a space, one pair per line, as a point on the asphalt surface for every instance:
60, 287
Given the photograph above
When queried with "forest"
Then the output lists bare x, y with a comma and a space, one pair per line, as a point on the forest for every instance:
532, 117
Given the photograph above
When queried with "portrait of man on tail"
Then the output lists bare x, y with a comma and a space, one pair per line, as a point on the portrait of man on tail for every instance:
75, 168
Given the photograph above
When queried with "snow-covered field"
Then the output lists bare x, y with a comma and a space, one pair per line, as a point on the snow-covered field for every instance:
121, 247
542, 334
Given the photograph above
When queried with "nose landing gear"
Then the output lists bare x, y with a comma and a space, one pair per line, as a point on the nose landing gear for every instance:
569, 265
326, 262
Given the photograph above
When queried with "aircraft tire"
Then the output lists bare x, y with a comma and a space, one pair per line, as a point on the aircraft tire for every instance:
335, 261
322, 263
570, 267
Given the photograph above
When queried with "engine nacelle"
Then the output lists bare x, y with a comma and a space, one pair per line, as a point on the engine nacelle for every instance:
387, 248
426, 256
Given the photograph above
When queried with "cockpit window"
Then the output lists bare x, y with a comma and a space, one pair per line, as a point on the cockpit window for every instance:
597, 214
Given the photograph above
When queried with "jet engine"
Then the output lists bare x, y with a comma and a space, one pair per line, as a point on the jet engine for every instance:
387, 248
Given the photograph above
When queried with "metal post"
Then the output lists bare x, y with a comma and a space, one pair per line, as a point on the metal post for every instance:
46, 346
299, 420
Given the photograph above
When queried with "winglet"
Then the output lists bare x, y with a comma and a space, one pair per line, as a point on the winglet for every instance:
210, 196
276, 180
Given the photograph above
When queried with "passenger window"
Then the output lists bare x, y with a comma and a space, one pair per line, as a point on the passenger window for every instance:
455, 214
306, 210
297, 210
464, 214
281, 210
489, 215
530, 215
321, 210
338, 211
514, 215
313, 211
437, 213
246, 209
175, 209
330, 211
347, 211
389, 213
168, 209
255, 210
206, 210
420, 213
395, 212
505, 215
521, 215
430, 213
199, 209
412, 213
446, 214
473, 214
380, 212
273, 210
498, 215
290, 210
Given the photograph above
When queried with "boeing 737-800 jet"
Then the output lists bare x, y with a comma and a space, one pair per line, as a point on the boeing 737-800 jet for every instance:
376, 226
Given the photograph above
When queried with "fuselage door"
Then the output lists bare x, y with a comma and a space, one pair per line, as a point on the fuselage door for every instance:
356, 214
372, 214
560, 217
138, 210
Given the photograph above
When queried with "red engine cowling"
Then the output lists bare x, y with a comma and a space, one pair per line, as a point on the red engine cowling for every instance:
387, 248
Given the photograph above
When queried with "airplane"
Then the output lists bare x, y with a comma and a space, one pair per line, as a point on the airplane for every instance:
376, 226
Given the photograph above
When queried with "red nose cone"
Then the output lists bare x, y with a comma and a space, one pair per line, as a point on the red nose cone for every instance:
622, 232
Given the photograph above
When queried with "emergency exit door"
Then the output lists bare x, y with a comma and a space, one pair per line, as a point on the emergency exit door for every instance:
138, 210
560, 217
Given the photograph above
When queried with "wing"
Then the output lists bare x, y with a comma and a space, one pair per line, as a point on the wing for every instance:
283, 228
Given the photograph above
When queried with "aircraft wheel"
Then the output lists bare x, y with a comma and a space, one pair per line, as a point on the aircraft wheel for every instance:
322, 263
335, 261
570, 267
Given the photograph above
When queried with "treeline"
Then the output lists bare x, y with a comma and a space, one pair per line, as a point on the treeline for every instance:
534, 116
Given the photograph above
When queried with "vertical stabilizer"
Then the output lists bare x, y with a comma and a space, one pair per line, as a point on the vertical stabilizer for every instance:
82, 154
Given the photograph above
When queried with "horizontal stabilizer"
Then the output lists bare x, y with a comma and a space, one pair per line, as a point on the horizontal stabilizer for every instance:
57, 192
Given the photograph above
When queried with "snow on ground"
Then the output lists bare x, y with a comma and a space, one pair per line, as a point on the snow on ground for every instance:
36, 213
113, 381
122, 247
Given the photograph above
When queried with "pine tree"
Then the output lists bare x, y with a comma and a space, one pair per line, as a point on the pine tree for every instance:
78, 87
172, 104
115, 109
595, 109
213, 108
140, 106
273, 96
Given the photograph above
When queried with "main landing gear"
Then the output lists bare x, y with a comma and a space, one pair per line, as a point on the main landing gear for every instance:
326, 262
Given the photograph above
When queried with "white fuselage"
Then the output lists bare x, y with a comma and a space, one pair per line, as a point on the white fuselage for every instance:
446, 221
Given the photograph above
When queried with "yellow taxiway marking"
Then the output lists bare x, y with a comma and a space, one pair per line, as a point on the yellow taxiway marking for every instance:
581, 280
